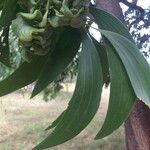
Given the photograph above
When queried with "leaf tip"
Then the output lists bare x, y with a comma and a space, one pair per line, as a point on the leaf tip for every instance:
34, 92
32, 95
98, 136
47, 128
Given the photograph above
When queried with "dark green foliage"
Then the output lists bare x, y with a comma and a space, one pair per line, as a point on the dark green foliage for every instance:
137, 20
22, 76
85, 101
60, 29
122, 96
5, 20
65, 50
104, 60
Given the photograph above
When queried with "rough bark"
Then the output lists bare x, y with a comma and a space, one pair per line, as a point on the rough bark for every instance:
112, 6
137, 126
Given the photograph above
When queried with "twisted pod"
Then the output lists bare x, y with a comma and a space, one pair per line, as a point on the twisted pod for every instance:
35, 27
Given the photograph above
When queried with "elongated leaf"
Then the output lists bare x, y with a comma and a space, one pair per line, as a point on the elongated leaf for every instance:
137, 68
1, 4
121, 93
8, 12
85, 100
109, 22
122, 96
4, 46
105, 68
27, 72
54, 124
135, 64
64, 52
24, 75
104, 60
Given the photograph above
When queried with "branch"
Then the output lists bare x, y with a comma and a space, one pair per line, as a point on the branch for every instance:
134, 6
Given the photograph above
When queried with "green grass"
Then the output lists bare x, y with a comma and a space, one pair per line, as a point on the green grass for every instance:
22, 124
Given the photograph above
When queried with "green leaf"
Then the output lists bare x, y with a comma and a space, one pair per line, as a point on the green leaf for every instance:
135, 64
1, 4
105, 67
27, 72
109, 22
122, 96
24, 31
85, 100
4, 46
54, 123
64, 52
24, 75
104, 60
8, 12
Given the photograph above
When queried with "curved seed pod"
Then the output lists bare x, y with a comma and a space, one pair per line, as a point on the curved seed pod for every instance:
24, 31
37, 15
74, 11
43, 23
54, 21
76, 21
26, 56
65, 9
27, 4
33, 2
57, 2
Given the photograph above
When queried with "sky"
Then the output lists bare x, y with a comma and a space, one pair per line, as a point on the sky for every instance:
143, 3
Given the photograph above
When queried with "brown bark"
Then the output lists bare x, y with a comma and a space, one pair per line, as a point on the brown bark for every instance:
112, 6
137, 126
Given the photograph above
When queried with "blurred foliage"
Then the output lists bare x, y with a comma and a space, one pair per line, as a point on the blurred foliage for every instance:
138, 21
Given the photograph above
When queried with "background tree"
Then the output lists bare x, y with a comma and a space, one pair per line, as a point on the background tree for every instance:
137, 20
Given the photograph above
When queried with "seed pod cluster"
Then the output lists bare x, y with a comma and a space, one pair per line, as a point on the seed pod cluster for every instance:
34, 28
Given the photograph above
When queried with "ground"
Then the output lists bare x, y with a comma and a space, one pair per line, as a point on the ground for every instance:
22, 123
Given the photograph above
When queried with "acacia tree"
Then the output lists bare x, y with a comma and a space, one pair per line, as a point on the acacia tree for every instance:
50, 34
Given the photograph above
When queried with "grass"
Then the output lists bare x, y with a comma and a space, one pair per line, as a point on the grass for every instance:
22, 124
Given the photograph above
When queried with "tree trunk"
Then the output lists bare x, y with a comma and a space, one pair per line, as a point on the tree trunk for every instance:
111, 6
137, 126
